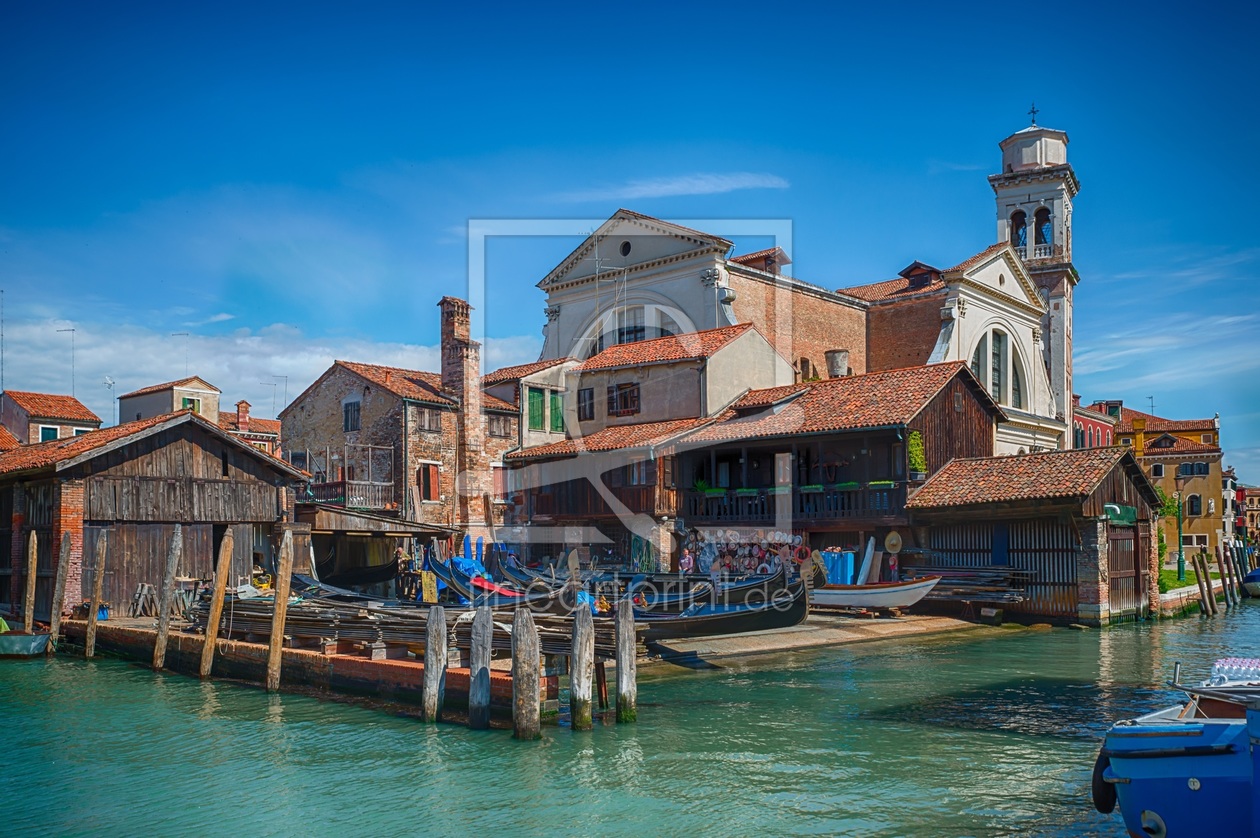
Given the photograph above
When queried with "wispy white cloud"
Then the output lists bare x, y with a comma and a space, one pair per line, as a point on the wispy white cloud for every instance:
936, 167
711, 183
221, 317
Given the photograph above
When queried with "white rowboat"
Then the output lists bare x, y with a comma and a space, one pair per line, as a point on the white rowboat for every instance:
874, 595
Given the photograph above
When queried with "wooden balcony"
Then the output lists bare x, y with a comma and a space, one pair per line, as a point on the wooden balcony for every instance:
869, 504
579, 499
354, 494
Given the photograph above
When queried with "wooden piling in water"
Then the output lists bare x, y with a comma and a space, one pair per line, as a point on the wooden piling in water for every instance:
280, 588
526, 714
601, 684
59, 592
581, 669
1206, 597
479, 669
28, 601
94, 606
627, 684
222, 568
168, 594
1227, 579
434, 664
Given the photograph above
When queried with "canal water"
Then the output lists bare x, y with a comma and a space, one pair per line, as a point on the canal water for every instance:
991, 732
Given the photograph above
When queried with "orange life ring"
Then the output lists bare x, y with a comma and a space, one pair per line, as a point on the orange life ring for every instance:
801, 554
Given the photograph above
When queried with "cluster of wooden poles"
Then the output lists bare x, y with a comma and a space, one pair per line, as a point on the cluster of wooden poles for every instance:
526, 652
1231, 580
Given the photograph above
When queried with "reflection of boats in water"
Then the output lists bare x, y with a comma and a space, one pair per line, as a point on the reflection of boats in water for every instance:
1188, 769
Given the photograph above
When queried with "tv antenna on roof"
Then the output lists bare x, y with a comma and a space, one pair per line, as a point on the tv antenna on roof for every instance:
1152, 400
109, 385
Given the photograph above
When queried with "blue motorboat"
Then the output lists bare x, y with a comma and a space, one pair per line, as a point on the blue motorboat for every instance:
1251, 583
1189, 769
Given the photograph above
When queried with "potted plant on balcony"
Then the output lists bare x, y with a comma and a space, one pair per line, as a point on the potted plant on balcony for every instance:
703, 487
882, 484
812, 487
847, 486
778, 490
917, 456
747, 493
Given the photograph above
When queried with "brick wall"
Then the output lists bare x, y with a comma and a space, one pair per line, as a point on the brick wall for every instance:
68, 518
1093, 589
903, 334
800, 323
17, 544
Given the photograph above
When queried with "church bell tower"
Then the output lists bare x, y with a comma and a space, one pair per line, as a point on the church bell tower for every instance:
1034, 192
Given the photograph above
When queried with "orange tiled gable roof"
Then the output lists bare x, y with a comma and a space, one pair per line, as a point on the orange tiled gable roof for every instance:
170, 385
1155, 424
691, 346
757, 258
519, 371
767, 396
7, 440
612, 438
890, 289
417, 385
983, 256
44, 454
227, 421
1052, 474
1168, 444
409, 384
876, 399
46, 406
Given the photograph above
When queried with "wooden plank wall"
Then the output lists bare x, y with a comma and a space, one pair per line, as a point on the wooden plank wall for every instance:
118, 498
6, 543
949, 432
137, 553
1048, 547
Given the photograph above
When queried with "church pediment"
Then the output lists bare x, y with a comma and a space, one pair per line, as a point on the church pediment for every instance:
629, 239
1000, 273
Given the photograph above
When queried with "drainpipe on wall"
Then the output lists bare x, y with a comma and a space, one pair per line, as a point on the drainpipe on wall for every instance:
406, 464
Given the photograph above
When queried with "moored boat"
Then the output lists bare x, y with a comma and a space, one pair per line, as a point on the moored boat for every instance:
788, 607
21, 644
1251, 582
875, 594
1188, 769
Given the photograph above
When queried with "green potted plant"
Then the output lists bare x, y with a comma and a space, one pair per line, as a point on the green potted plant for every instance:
882, 484
847, 486
812, 487
917, 456
747, 493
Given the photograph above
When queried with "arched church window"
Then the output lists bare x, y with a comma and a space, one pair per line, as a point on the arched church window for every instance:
1017, 381
977, 359
1041, 220
1019, 228
997, 357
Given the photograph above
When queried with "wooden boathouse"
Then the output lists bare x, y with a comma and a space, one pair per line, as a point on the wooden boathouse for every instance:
135, 482
1079, 525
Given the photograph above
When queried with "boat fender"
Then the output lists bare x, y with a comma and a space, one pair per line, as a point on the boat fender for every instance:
763, 568
801, 555
1104, 793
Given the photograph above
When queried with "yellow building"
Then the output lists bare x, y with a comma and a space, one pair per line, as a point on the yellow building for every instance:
1182, 457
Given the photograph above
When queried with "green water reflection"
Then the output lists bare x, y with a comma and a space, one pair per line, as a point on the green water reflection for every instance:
983, 734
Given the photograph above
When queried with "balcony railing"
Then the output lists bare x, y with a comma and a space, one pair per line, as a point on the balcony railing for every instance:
1039, 251
753, 506
355, 494
581, 499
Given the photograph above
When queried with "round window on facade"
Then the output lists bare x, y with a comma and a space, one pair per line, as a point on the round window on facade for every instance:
625, 248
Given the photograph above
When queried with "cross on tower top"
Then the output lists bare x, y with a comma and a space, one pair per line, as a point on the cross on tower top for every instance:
1033, 113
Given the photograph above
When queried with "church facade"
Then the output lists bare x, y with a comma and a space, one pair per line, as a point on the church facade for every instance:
1006, 311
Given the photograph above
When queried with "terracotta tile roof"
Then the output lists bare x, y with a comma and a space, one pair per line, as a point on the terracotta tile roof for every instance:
878, 292
687, 347
157, 388
7, 440
767, 396
983, 256
1155, 424
1169, 444
835, 404
44, 454
227, 421
418, 385
46, 406
519, 371
611, 439
758, 258
1052, 474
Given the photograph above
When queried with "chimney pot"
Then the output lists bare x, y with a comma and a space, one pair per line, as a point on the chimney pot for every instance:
837, 363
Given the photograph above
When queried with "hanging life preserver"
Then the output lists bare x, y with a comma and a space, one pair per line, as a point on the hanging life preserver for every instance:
763, 568
1104, 793
801, 555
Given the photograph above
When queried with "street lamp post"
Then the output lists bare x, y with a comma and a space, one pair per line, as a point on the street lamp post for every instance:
1181, 550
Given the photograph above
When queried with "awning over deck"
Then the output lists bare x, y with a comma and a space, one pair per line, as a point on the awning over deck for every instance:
325, 518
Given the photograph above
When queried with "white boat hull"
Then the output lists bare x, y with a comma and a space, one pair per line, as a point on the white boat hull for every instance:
875, 595
16, 644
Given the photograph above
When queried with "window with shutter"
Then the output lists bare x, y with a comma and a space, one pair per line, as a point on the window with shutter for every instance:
536, 409
586, 404
557, 412
427, 481
667, 472
612, 400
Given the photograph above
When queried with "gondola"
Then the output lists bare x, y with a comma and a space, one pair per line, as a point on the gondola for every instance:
668, 593
483, 592
788, 607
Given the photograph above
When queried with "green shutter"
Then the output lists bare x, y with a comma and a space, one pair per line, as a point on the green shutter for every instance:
536, 409
557, 412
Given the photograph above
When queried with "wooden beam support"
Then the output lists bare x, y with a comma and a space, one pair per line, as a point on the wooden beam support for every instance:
434, 664
280, 588
479, 669
168, 594
94, 606
59, 592
222, 568
526, 712
28, 601
581, 669
627, 684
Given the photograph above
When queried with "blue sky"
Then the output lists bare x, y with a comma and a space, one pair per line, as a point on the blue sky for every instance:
290, 184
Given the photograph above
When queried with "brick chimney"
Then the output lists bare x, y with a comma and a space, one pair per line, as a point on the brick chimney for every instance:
1139, 436
461, 379
242, 416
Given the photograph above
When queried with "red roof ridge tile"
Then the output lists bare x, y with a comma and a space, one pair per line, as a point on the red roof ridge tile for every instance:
52, 406
168, 385
689, 346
